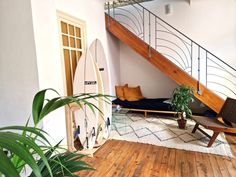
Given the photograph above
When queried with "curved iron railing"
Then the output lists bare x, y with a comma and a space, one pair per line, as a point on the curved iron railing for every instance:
194, 59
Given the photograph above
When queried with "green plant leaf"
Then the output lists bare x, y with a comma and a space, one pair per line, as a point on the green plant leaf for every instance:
48, 154
65, 164
34, 130
181, 98
38, 103
12, 142
6, 166
57, 104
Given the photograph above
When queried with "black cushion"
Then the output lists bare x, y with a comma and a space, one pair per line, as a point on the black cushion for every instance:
147, 104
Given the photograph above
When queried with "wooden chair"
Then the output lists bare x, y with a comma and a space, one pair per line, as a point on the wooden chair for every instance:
222, 123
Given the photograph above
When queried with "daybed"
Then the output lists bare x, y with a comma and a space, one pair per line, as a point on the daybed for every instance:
130, 98
146, 105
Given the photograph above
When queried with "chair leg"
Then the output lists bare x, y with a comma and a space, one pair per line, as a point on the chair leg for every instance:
145, 114
213, 138
195, 128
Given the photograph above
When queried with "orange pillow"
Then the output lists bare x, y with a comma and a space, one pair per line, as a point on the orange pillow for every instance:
133, 93
120, 91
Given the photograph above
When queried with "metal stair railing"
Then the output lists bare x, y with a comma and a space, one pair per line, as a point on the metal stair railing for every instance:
190, 56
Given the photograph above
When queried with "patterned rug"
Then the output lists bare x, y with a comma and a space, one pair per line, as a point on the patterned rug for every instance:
162, 131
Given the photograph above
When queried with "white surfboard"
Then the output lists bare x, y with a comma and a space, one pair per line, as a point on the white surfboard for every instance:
102, 107
85, 81
98, 54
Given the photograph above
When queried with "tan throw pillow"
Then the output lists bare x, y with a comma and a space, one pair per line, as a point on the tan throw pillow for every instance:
133, 93
120, 91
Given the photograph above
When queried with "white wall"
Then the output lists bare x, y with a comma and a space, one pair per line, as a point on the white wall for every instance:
135, 70
114, 56
211, 23
48, 46
18, 65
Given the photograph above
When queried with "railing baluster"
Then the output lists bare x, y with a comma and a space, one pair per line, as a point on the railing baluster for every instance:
149, 24
206, 67
109, 14
199, 76
113, 5
191, 58
155, 33
143, 25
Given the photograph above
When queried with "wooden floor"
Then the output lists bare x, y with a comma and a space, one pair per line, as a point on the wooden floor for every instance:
119, 158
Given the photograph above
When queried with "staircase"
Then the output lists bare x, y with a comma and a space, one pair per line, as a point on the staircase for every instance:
172, 52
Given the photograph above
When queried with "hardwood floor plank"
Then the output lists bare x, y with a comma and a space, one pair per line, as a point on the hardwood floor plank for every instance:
222, 166
142, 161
231, 166
203, 165
149, 158
135, 161
115, 160
191, 163
157, 161
164, 162
171, 163
183, 166
215, 166
124, 162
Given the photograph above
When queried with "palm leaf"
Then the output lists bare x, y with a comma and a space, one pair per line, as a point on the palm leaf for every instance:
48, 154
62, 164
38, 103
65, 164
6, 166
40, 110
17, 148
13, 142
57, 104
34, 130
17, 161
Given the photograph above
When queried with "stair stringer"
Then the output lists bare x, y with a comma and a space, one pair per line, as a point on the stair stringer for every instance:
175, 73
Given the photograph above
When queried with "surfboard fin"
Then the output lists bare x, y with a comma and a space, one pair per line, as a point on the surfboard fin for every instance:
77, 132
87, 142
94, 133
108, 122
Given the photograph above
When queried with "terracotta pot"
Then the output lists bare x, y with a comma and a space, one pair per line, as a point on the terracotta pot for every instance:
182, 123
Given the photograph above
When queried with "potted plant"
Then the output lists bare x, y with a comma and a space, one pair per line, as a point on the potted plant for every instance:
27, 147
181, 97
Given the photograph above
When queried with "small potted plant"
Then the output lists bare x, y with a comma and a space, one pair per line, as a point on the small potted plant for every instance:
181, 97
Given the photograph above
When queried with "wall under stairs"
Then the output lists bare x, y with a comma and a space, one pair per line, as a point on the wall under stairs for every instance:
174, 72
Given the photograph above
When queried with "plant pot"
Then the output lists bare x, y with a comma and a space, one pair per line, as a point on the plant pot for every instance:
182, 123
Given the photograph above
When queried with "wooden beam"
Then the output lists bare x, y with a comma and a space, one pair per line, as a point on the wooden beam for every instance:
208, 97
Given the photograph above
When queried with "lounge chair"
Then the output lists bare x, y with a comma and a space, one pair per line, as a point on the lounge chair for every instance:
224, 122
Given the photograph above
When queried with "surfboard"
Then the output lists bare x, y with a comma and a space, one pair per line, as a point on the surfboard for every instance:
97, 51
85, 81
101, 105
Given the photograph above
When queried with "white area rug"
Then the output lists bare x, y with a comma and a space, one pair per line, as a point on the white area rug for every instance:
164, 132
